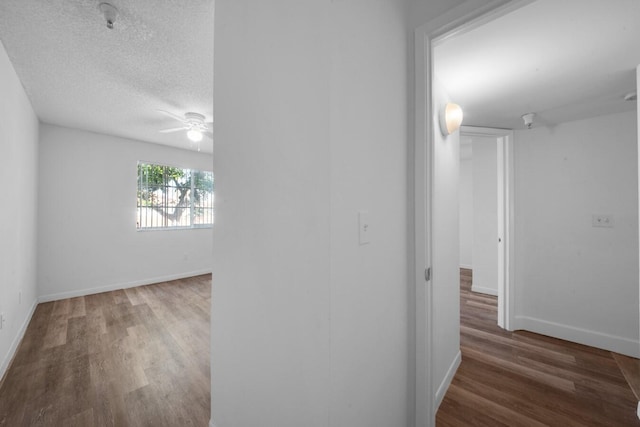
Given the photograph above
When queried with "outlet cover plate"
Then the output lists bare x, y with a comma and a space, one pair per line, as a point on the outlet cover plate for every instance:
602, 220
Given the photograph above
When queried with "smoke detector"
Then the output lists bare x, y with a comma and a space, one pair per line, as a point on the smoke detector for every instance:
528, 119
109, 12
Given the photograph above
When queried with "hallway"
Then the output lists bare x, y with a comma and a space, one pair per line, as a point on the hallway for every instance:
524, 379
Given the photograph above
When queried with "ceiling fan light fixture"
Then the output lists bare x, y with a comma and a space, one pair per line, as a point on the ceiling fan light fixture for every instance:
194, 135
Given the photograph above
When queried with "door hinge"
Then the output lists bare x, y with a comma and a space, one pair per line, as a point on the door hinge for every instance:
427, 274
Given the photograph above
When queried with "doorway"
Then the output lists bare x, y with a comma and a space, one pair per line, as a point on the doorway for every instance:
486, 221
426, 187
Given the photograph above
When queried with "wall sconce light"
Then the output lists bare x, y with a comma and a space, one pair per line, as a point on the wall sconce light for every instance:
450, 118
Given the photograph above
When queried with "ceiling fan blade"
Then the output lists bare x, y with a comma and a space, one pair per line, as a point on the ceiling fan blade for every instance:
173, 116
173, 130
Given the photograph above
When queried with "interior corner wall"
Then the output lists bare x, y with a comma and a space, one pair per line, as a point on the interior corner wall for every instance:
445, 252
18, 221
575, 281
87, 236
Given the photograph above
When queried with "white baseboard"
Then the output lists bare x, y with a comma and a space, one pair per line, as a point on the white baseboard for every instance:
613, 343
482, 290
16, 341
444, 385
117, 286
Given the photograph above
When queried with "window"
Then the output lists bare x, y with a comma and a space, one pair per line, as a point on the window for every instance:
170, 197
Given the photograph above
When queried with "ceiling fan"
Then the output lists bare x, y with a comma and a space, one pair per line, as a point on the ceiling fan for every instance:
193, 123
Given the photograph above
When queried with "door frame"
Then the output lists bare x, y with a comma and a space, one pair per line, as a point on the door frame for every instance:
462, 18
506, 227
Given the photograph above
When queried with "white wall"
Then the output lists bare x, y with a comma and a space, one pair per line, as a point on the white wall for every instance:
270, 327
445, 253
87, 237
575, 281
485, 215
18, 225
422, 11
368, 171
309, 327
466, 212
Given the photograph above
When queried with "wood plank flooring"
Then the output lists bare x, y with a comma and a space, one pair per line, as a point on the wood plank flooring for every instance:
524, 379
134, 357
140, 357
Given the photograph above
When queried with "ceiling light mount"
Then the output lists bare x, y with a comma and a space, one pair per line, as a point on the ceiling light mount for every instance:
109, 12
528, 119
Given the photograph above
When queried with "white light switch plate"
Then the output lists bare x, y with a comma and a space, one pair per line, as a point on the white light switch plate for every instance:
364, 227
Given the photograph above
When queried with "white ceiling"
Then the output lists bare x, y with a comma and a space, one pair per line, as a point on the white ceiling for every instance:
80, 74
563, 60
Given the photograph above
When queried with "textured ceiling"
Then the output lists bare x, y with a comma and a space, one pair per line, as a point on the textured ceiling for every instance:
80, 74
563, 60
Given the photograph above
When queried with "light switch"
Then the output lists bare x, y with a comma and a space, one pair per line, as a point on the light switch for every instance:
364, 227
602, 220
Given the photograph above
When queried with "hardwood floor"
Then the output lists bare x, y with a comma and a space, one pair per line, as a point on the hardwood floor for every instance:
134, 357
140, 357
525, 379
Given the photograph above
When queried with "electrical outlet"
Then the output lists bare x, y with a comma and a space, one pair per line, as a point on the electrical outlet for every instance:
598, 220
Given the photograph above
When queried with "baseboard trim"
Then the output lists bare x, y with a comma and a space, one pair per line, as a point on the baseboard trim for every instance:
481, 290
6, 362
613, 343
117, 286
446, 382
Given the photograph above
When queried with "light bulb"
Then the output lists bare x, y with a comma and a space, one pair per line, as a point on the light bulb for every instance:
194, 135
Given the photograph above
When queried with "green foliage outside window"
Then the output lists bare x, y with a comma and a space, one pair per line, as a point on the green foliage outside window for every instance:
170, 197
